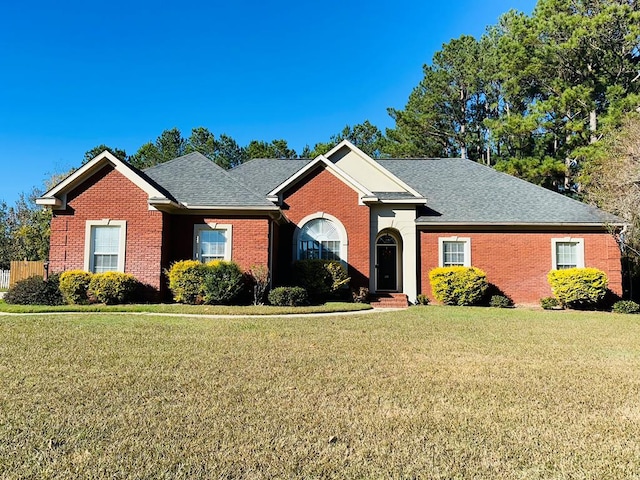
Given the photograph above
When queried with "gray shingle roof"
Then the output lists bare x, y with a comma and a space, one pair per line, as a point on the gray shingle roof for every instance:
457, 191
264, 174
462, 191
193, 179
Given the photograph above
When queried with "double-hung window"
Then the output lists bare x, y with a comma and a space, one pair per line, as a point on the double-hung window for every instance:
105, 246
454, 252
567, 253
212, 242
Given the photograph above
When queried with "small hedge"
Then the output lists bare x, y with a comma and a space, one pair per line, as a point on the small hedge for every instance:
288, 297
36, 291
549, 303
186, 281
626, 306
223, 282
112, 287
458, 285
578, 287
422, 299
216, 282
320, 278
500, 301
74, 285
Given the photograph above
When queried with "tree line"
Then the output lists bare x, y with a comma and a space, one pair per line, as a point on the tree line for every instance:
548, 97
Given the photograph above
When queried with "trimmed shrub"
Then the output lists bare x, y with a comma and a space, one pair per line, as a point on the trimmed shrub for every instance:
186, 281
223, 282
74, 285
626, 306
458, 285
288, 297
500, 301
113, 287
36, 291
422, 299
549, 303
578, 287
320, 278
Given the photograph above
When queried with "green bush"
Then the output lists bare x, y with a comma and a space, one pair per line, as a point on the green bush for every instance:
458, 285
288, 297
549, 303
113, 287
578, 287
422, 299
223, 282
36, 291
74, 285
320, 278
186, 281
500, 301
626, 306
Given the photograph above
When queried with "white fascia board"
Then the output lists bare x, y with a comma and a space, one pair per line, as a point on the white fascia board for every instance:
49, 202
374, 164
92, 167
275, 193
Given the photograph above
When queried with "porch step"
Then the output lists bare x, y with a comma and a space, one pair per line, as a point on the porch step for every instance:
389, 300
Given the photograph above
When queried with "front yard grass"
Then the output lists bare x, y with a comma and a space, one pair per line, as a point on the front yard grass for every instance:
328, 307
428, 392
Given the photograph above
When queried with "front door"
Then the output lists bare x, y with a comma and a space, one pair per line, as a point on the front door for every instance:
386, 266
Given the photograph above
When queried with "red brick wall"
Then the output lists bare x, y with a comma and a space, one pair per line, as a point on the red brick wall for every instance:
518, 263
108, 194
249, 244
324, 192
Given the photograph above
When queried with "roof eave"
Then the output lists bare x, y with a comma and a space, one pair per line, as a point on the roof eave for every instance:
51, 202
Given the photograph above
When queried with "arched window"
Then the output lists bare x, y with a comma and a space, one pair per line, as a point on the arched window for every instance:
320, 238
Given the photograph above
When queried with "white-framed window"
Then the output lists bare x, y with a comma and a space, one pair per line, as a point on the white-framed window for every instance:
454, 252
211, 241
104, 247
321, 236
567, 253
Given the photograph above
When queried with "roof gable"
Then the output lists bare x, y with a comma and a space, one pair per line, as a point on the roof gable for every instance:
321, 161
355, 168
354, 162
57, 196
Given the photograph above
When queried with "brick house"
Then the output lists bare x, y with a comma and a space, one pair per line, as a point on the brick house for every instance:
390, 221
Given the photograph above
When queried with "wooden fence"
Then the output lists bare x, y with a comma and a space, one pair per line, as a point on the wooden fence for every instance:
4, 279
22, 269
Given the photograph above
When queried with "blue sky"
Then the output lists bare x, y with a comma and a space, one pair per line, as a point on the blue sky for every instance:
75, 74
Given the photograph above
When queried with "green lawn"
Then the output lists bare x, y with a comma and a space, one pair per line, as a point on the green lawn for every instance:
430, 392
328, 307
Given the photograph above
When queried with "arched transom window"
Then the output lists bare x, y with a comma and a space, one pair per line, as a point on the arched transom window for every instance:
319, 238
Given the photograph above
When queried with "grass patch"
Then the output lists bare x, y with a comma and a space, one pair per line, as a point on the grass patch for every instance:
436, 392
329, 307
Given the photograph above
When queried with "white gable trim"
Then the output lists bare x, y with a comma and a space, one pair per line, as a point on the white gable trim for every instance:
275, 194
374, 164
56, 197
